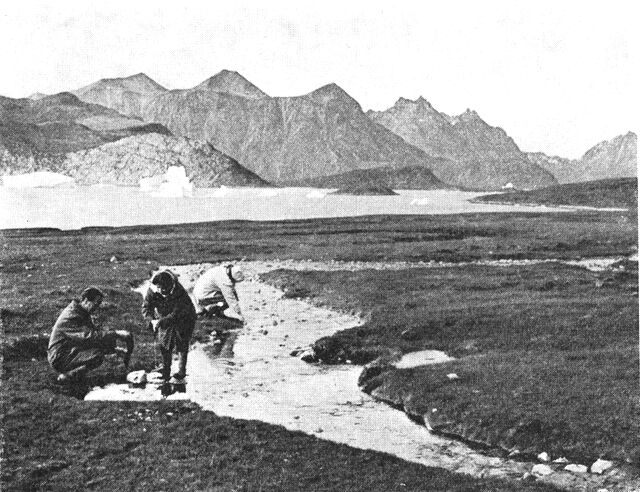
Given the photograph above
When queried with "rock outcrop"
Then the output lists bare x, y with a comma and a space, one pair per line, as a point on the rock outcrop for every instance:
36, 128
479, 156
128, 160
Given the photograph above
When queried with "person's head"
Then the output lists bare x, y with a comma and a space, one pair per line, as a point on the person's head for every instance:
163, 283
91, 298
237, 275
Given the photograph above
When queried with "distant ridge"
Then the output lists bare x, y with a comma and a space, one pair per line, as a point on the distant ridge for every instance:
126, 95
484, 157
416, 177
615, 158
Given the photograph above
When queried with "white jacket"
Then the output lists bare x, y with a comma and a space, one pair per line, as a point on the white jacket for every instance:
216, 280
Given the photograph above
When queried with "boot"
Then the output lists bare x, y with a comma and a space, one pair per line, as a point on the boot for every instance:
182, 366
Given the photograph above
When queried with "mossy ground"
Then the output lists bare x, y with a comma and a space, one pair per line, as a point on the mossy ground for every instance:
53, 440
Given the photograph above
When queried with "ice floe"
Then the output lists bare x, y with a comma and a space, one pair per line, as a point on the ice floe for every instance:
39, 179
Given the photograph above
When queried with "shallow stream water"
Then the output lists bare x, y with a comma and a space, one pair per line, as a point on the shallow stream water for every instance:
256, 377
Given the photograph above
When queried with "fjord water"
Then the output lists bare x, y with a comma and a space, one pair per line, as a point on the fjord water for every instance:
74, 207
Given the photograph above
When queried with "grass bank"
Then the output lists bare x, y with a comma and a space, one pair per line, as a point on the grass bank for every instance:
547, 353
604, 193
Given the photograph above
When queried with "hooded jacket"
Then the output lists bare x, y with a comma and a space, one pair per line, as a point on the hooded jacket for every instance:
175, 310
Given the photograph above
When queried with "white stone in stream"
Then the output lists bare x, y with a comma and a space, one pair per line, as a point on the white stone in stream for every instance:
544, 456
137, 377
576, 468
541, 470
600, 466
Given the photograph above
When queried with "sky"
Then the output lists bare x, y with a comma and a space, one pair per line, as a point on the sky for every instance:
557, 76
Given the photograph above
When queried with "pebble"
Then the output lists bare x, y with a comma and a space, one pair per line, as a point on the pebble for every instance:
576, 468
544, 456
561, 460
541, 470
599, 466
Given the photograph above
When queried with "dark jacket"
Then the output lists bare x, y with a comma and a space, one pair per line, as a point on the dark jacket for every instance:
174, 311
75, 329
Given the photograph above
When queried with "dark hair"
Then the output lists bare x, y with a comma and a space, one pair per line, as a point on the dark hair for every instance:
164, 280
91, 294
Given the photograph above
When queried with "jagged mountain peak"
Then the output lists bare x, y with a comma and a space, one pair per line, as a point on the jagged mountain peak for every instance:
421, 102
231, 82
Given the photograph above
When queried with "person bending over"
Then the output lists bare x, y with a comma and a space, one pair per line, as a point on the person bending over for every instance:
170, 314
76, 346
215, 292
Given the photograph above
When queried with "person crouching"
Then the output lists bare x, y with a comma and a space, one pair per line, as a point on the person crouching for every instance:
170, 314
215, 292
77, 346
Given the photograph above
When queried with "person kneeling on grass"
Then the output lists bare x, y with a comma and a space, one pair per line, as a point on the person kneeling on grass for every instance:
171, 316
76, 346
215, 292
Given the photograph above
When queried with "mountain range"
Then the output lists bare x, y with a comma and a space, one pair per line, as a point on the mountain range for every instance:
319, 138
283, 139
480, 156
95, 144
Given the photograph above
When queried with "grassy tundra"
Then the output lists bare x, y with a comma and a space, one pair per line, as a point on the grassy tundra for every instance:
515, 332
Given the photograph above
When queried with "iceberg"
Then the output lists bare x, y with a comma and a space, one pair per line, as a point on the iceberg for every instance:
39, 179
420, 201
174, 183
316, 194
220, 192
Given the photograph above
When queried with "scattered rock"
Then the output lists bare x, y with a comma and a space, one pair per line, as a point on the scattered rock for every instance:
264, 332
561, 460
600, 466
114, 259
275, 323
576, 468
309, 355
544, 456
410, 334
137, 377
542, 470
452, 376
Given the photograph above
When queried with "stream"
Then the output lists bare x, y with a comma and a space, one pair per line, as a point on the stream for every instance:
255, 377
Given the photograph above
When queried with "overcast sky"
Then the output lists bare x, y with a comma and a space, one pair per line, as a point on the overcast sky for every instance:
558, 76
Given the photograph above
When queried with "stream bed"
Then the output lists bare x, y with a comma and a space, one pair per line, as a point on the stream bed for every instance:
256, 377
